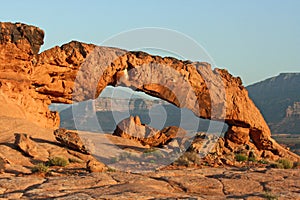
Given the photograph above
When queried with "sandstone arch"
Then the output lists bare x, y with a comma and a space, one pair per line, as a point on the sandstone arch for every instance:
34, 81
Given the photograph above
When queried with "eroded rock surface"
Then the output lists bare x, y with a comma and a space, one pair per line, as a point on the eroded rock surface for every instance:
19, 47
2, 165
78, 71
206, 183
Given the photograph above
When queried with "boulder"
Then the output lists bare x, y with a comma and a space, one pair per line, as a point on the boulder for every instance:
95, 166
24, 143
131, 128
71, 140
238, 135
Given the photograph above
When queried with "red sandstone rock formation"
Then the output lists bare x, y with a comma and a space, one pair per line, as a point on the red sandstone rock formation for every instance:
78, 71
131, 128
19, 46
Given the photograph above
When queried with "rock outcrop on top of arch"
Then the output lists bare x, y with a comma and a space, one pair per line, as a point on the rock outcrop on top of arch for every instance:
76, 72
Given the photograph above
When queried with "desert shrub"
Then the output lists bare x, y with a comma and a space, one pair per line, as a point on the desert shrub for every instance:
282, 164
287, 164
252, 156
114, 159
192, 157
40, 167
277, 165
111, 169
262, 161
127, 156
252, 159
240, 157
270, 196
75, 160
58, 161
188, 159
182, 162
158, 154
153, 153
124, 156
150, 150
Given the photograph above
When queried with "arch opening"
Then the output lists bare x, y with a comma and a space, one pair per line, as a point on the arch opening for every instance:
115, 104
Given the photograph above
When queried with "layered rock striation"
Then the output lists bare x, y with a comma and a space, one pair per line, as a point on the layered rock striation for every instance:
76, 72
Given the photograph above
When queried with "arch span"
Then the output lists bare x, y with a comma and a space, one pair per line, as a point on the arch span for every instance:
209, 93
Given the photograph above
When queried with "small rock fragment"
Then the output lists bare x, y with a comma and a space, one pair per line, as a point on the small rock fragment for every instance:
95, 166
131, 128
2, 165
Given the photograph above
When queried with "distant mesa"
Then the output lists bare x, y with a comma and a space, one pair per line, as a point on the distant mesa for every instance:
291, 122
33, 81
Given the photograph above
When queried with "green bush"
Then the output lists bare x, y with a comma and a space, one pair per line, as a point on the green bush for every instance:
240, 157
252, 159
58, 161
270, 196
286, 163
262, 161
283, 164
40, 167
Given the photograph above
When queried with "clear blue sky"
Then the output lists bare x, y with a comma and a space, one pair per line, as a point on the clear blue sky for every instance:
254, 39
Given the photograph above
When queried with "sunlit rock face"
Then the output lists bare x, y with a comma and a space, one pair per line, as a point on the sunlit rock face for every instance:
76, 72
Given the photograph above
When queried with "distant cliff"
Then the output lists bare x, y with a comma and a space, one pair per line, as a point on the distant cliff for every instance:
122, 105
278, 99
291, 122
110, 111
293, 111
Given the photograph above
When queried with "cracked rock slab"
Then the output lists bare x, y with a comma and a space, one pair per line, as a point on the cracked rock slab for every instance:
206, 183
